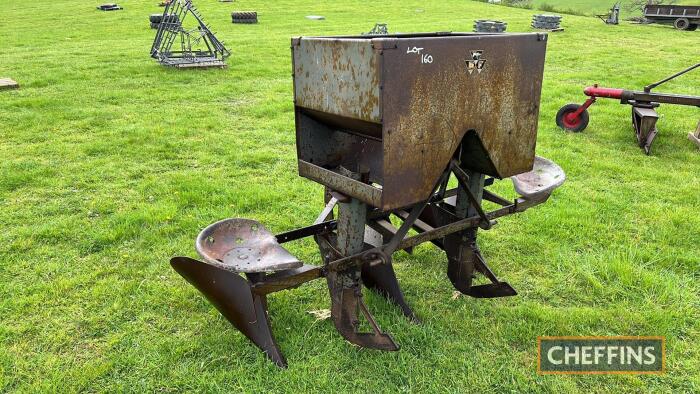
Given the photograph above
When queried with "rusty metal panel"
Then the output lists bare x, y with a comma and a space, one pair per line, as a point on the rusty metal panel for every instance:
437, 90
407, 102
337, 76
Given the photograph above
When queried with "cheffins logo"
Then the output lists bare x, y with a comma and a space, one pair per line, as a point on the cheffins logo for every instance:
601, 355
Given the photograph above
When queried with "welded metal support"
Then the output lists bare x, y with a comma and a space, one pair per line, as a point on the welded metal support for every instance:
352, 217
345, 286
464, 206
464, 256
458, 246
198, 45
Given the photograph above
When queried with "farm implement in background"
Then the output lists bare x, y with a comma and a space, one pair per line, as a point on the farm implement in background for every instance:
682, 17
574, 117
384, 122
612, 17
379, 29
196, 45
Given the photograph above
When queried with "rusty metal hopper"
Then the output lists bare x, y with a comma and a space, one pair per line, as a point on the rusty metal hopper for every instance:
387, 121
396, 108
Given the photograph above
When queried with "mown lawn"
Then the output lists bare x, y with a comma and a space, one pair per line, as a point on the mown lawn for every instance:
595, 7
111, 164
589, 7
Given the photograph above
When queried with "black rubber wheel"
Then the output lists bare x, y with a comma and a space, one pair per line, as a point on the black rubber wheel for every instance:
155, 18
565, 121
244, 15
693, 27
681, 24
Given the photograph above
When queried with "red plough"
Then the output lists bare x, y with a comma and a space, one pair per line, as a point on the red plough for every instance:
574, 117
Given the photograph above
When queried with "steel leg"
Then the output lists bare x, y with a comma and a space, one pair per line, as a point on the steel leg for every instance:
346, 287
464, 256
461, 259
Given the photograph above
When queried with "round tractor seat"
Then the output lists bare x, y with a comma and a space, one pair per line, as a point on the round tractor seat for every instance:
243, 245
542, 180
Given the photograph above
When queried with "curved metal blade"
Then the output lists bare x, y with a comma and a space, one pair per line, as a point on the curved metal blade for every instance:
232, 296
492, 290
460, 263
345, 303
382, 279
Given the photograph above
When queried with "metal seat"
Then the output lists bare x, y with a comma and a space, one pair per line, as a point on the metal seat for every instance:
541, 181
243, 245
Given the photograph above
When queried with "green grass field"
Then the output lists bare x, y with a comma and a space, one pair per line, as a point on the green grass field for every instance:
111, 164
588, 7
593, 7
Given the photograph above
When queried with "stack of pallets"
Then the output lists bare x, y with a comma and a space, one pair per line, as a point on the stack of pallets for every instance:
547, 22
109, 7
489, 26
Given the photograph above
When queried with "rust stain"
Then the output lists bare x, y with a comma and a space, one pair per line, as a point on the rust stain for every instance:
425, 108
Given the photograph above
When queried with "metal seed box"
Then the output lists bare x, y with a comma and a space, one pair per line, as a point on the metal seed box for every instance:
394, 109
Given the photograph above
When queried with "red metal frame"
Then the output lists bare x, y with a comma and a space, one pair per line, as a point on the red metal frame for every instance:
594, 92
574, 117
579, 111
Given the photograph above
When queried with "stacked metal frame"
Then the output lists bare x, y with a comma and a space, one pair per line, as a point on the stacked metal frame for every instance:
177, 46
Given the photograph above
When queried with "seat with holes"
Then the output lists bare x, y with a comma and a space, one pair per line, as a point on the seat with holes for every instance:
243, 245
541, 181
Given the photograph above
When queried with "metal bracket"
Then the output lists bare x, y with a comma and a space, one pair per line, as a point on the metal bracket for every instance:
463, 179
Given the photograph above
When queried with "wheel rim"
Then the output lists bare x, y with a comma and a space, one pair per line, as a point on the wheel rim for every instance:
681, 24
571, 121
